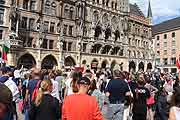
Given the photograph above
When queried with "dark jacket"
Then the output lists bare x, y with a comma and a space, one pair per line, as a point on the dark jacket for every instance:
162, 109
3, 79
49, 109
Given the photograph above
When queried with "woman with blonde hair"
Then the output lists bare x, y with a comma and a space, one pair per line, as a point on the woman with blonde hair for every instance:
45, 106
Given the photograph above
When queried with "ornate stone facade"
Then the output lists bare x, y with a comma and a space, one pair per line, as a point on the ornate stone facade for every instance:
98, 33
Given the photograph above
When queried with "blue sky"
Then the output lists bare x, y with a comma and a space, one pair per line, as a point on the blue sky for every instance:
162, 9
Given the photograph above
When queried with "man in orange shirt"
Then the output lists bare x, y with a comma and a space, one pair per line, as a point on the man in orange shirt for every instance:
81, 106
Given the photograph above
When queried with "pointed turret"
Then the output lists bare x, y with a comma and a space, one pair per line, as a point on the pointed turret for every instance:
149, 15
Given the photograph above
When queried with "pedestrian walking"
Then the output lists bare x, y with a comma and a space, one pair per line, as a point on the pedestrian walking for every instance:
71, 83
94, 91
7, 79
151, 101
45, 106
140, 94
116, 90
6, 102
81, 106
162, 106
55, 90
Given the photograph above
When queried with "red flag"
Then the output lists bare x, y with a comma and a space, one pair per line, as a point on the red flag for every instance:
178, 62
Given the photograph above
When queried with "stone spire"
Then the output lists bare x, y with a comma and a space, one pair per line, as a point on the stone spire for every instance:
149, 15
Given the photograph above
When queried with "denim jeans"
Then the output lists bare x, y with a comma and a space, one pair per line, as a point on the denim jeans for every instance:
26, 114
115, 112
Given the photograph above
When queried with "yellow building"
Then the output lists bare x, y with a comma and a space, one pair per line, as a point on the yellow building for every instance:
167, 44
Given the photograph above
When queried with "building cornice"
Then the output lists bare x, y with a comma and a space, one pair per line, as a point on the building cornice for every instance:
167, 30
139, 19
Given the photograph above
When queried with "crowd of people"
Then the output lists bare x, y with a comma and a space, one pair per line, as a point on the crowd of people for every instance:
87, 94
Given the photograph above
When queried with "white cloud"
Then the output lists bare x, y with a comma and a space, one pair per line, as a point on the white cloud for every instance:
160, 8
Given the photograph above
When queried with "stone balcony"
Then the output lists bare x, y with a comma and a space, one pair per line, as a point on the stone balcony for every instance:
14, 43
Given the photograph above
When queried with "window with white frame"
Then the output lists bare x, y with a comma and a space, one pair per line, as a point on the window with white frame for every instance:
70, 30
47, 7
31, 23
1, 16
65, 30
173, 43
46, 26
71, 13
165, 44
173, 51
53, 8
25, 4
165, 52
1, 34
33, 5
52, 26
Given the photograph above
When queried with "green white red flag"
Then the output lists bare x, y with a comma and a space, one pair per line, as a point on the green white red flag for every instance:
5, 49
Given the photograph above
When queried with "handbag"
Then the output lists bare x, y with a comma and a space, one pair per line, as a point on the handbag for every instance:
35, 92
150, 101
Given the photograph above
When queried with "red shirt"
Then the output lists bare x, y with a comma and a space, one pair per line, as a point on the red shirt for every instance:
81, 107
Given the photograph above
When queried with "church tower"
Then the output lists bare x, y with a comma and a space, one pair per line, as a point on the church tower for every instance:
149, 14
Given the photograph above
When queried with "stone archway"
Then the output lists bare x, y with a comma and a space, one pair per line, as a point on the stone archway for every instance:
104, 64
49, 62
69, 61
96, 48
106, 49
27, 60
141, 66
149, 66
84, 62
132, 66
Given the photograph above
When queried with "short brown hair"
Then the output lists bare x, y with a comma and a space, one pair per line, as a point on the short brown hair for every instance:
118, 74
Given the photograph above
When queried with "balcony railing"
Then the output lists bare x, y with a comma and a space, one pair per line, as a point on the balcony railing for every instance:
16, 43
13, 43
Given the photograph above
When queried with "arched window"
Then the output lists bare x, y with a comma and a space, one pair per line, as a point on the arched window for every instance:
117, 35
95, 17
116, 6
71, 13
112, 4
66, 11
85, 31
53, 8
107, 3
103, 2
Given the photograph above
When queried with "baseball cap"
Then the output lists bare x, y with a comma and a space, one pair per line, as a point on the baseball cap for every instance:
84, 81
6, 97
